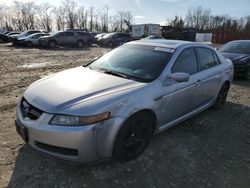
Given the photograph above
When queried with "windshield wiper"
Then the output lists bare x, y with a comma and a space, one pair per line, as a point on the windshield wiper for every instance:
115, 74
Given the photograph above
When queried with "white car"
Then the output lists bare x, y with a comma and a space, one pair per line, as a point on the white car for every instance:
31, 40
26, 33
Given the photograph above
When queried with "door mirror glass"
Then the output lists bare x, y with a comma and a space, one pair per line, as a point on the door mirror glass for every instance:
180, 77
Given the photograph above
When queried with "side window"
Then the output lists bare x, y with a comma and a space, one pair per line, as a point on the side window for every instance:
206, 58
186, 62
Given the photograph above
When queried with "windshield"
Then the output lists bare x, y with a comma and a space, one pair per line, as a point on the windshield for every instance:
236, 47
138, 62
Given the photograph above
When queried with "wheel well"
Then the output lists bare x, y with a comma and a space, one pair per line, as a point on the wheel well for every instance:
227, 83
152, 115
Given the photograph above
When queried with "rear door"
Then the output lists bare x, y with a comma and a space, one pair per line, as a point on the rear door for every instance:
210, 76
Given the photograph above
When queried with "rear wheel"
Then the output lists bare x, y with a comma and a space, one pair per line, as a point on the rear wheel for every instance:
52, 44
246, 74
133, 137
222, 97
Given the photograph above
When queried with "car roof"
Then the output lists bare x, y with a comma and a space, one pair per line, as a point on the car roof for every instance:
165, 43
240, 41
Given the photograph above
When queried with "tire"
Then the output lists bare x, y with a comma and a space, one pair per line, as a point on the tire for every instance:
133, 137
246, 75
80, 44
52, 44
222, 97
1, 40
29, 44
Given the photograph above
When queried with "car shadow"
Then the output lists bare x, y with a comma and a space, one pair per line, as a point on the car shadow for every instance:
209, 150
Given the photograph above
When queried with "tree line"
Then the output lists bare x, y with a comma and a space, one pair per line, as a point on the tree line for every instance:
202, 19
68, 15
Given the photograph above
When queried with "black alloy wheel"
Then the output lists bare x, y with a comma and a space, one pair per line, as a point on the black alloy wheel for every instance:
133, 137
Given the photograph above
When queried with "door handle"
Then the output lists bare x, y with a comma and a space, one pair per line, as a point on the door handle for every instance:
198, 81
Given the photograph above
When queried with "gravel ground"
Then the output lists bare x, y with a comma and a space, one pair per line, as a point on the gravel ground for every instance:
211, 149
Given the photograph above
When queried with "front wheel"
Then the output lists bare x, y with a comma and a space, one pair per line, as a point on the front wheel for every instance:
222, 97
133, 137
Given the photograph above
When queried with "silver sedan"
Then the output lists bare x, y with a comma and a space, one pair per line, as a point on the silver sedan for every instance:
112, 107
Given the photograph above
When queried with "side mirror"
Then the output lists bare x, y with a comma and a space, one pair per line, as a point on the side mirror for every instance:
180, 77
216, 49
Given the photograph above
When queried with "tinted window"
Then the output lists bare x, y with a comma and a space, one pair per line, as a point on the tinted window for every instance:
142, 63
206, 58
82, 34
69, 34
186, 62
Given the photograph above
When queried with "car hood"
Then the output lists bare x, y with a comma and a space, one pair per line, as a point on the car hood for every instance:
234, 56
54, 93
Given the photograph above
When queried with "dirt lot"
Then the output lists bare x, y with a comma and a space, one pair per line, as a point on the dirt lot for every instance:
209, 150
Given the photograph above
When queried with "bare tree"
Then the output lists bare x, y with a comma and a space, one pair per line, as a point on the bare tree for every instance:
91, 18
45, 16
70, 13
176, 22
59, 18
198, 17
128, 19
81, 17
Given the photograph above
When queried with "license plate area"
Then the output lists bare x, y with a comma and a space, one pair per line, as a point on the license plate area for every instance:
22, 131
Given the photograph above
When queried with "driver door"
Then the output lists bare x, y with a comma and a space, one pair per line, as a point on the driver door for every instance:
179, 98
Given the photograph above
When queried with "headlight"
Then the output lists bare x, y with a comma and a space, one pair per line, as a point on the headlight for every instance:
68, 120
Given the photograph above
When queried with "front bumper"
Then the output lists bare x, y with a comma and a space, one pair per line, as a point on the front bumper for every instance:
82, 144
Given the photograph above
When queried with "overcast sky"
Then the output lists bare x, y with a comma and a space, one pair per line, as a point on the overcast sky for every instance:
158, 11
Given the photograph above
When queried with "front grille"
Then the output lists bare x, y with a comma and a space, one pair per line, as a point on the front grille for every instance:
30, 111
56, 149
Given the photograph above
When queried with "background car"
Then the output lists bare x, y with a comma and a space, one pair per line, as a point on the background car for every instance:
239, 52
64, 38
13, 33
114, 39
113, 106
31, 40
99, 36
13, 38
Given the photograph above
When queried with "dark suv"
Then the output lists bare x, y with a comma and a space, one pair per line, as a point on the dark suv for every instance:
64, 38
114, 39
